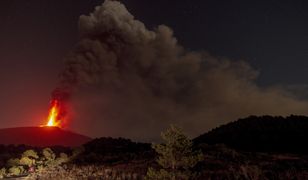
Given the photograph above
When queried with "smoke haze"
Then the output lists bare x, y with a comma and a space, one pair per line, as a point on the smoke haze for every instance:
127, 80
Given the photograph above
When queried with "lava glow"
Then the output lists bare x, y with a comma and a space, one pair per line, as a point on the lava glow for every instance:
53, 116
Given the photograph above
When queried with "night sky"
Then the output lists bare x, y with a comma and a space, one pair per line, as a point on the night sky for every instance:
35, 36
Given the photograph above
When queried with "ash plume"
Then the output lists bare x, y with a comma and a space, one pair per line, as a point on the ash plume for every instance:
127, 80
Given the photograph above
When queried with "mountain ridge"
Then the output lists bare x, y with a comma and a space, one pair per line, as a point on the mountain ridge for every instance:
261, 134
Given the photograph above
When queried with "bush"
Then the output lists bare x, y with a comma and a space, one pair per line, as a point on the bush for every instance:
62, 159
2, 173
26, 161
31, 154
13, 162
48, 154
16, 170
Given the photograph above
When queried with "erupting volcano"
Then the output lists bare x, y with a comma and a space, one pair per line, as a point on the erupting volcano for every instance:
51, 134
57, 114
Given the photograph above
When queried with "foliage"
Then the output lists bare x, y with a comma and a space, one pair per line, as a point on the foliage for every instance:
113, 151
221, 162
176, 156
77, 151
26, 161
31, 162
2, 173
16, 170
48, 154
63, 156
30, 153
13, 162
62, 159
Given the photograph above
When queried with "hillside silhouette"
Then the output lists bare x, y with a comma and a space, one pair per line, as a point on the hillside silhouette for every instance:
41, 137
262, 134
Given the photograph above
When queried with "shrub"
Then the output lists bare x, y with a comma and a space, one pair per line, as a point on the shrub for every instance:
26, 161
13, 162
48, 154
2, 173
31, 154
62, 159
16, 170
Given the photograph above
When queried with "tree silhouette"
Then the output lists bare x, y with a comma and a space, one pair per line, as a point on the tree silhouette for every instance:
176, 156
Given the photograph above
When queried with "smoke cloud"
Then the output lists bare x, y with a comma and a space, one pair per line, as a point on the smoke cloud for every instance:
127, 80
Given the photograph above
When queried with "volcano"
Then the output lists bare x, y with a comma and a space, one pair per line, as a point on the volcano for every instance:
41, 137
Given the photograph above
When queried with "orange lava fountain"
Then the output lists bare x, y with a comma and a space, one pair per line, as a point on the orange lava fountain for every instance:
53, 116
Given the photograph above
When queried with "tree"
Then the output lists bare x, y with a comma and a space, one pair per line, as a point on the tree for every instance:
175, 156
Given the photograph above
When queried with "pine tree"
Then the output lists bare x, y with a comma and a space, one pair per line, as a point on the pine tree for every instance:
176, 156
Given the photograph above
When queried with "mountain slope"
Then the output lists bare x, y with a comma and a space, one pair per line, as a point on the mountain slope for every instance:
41, 137
263, 134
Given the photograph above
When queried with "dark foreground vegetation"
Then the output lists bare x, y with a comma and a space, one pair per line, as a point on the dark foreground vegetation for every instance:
203, 158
